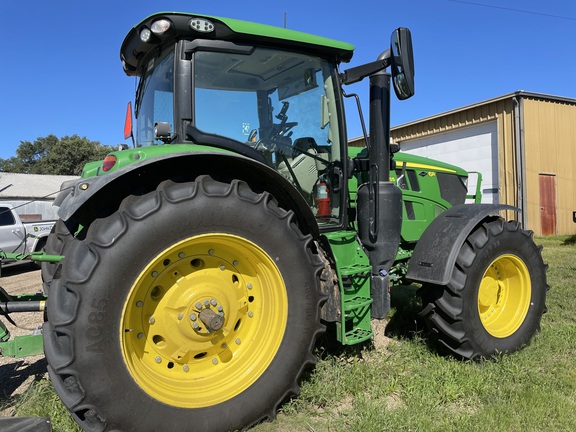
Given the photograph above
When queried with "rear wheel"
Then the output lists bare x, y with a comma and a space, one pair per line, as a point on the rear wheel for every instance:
194, 307
495, 300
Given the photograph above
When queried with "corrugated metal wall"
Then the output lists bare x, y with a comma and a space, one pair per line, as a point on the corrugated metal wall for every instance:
550, 143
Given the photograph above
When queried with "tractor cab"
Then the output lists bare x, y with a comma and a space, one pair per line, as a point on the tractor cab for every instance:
202, 82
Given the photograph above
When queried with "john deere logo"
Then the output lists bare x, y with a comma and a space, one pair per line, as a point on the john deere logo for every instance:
36, 229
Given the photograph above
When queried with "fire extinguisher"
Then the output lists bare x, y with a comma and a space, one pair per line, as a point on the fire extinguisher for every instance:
322, 198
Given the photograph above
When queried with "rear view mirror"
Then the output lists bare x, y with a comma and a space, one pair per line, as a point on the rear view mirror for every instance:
402, 63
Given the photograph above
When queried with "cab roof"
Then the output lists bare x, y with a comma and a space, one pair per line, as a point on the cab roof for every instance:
191, 26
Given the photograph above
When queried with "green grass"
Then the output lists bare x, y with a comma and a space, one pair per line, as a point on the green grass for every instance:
407, 386
40, 400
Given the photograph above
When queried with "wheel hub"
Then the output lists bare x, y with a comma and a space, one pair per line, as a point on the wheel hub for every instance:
190, 310
213, 300
212, 320
504, 295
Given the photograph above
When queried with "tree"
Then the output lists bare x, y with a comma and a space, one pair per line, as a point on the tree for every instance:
50, 155
29, 156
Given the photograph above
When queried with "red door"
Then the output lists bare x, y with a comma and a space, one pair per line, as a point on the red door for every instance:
548, 204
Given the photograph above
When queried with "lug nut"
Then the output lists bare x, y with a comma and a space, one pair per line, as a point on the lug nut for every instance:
213, 302
198, 305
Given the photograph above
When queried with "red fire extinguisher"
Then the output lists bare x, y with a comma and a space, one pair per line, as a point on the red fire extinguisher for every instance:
322, 198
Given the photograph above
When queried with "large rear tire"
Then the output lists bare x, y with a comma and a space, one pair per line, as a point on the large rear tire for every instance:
192, 308
495, 299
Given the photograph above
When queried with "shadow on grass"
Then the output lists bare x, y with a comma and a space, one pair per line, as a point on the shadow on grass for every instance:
403, 322
327, 346
570, 241
13, 375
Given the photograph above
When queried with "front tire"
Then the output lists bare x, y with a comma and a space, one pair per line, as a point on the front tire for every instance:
194, 307
496, 297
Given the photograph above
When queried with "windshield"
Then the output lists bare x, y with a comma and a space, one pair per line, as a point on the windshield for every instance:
239, 94
155, 99
279, 103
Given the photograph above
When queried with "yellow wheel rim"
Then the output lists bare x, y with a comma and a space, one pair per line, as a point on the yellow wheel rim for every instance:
204, 320
504, 296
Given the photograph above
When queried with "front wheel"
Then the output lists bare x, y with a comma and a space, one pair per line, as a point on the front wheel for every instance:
495, 299
194, 307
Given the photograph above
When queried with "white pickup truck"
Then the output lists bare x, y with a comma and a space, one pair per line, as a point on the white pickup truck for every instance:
21, 237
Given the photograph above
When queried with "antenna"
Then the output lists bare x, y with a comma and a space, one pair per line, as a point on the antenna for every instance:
285, 19
6, 187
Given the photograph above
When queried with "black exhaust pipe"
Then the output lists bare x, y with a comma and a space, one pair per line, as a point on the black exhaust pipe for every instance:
379, 200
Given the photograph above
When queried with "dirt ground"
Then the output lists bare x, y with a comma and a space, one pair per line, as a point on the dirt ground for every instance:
17, 374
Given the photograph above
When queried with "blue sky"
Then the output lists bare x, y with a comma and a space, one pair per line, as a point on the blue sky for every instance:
60, 71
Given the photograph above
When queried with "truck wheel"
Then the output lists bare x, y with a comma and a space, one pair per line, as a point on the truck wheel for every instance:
193, 307
57, 241
495, 300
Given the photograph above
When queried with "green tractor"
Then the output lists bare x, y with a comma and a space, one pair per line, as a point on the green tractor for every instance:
201, 265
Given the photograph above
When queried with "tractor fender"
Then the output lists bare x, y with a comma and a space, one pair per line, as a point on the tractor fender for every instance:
85, 199
435, 253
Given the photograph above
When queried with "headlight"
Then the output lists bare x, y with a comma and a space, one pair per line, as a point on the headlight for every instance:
145, 35
201, 25
160, 27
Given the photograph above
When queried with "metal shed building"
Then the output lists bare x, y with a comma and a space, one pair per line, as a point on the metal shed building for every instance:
31, 195
523, 143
